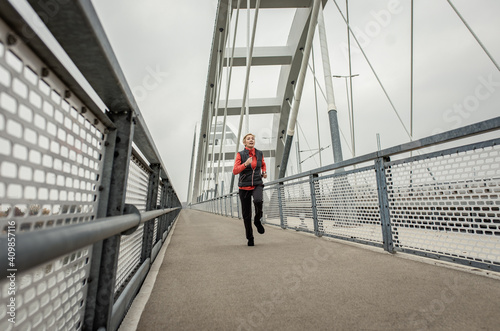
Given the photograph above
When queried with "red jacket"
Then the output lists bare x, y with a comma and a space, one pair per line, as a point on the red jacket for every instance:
239, 167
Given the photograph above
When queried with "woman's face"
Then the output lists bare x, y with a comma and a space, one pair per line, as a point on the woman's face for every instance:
249, 141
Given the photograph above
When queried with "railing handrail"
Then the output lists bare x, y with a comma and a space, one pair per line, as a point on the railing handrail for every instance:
37, 247
440, 138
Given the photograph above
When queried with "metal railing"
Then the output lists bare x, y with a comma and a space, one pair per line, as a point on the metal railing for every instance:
85, 200
441, 204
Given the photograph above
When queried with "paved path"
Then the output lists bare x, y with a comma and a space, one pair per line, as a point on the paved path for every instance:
210, 279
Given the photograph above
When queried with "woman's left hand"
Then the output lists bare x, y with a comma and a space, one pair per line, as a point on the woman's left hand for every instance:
264, 175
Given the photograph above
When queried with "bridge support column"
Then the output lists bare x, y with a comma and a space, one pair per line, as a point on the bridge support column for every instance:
299, 87
335, 135
383, 200
332, 108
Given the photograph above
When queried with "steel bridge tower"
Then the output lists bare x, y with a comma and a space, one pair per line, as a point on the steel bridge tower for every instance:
213, 163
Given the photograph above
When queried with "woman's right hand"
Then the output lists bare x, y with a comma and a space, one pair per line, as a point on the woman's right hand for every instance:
248, 161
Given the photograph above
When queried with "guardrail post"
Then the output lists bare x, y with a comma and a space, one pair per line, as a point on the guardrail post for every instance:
152, 198
163, 204
102, 207
173, 202
228, 197
98, 311
383, 200
312, 183
224, 205
231, 204
169, 203
280, 205
238, 205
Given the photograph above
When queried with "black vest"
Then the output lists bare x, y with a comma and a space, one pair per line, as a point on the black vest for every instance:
249, 176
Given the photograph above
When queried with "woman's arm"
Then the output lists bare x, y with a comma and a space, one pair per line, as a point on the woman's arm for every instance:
238, 167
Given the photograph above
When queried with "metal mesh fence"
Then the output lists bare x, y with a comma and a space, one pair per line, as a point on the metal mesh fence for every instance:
50, 165
235, 205
448, 204
129, 257
296, 204
271, 205
347, 205
137, 185
444, 204
156, 221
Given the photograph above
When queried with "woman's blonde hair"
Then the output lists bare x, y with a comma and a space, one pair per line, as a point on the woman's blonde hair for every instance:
245, 137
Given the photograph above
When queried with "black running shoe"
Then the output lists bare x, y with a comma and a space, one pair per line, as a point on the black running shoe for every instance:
260, 227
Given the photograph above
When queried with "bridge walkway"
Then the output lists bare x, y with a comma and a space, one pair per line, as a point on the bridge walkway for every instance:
209, 279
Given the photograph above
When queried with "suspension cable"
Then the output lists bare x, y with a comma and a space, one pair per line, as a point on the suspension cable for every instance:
351, 106
307, 142
316, 105
373, 70
411, 69
474, 35
340, 129
315, 78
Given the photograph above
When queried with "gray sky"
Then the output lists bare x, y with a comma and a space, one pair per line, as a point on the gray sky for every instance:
164, 46
171, 39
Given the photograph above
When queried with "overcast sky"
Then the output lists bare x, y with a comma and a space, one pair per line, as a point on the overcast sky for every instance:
167, 44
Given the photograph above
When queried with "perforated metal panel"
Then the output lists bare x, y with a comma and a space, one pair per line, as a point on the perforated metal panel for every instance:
448, 204
234, 205
129, 257
271, 205
50, 170
444, 204
49, 297
348, 206
159, 195
156, 221
297, 210
137, 185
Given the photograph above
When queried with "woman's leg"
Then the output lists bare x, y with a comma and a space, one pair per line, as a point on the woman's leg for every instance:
258, 202
246, 210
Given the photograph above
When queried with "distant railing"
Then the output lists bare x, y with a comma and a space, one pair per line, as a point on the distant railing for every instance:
443, 204
85, 200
